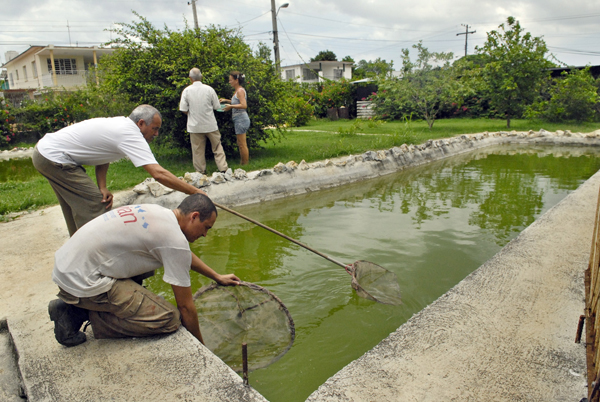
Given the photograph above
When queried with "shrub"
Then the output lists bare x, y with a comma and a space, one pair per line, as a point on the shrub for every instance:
300, 111
7, 133
331, 94
56, 110
391, 101
573, 97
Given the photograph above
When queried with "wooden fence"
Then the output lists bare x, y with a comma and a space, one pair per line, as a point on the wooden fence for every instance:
592, 307
364, 109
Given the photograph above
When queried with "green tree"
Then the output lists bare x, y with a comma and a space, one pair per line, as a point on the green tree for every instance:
515, 68
325, 55
152, 66
428, 86
373, 68
425, 88
470, 92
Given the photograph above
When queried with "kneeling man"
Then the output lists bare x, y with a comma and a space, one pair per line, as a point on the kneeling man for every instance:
95, 267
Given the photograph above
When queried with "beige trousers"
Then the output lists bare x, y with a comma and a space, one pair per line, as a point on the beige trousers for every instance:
78, 196
198, 141
127, 310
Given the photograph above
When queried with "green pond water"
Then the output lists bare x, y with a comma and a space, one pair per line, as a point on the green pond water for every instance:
17, 170
432, 226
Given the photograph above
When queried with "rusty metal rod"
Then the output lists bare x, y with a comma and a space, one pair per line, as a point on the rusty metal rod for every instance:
245, 362
231, 211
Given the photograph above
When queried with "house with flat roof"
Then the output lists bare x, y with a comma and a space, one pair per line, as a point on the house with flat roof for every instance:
317, 71
58, 67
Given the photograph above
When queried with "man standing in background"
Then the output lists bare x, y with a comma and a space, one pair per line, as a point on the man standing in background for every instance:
198, 102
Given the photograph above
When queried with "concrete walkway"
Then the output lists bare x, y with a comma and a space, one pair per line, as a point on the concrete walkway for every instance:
504, 333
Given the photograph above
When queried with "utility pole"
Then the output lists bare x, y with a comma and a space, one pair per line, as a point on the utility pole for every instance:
193, 3
466, 33
274, 13
275, 37
69, 29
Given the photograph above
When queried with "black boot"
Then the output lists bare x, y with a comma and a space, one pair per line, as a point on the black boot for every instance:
67, 322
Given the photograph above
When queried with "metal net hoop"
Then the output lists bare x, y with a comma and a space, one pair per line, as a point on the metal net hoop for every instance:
247, 313
374, 282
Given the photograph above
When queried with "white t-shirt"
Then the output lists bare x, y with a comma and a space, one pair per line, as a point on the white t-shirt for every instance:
200, 101
123, 243
96, 142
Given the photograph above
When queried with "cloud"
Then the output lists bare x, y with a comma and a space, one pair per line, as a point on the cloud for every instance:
363, 29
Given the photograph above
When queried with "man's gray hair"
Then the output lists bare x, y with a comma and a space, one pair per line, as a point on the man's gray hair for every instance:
195, 74
144, 112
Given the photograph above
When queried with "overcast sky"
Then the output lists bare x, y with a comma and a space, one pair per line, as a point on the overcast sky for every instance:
362, 29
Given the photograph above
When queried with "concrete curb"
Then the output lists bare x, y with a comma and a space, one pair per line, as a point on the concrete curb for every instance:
162, 368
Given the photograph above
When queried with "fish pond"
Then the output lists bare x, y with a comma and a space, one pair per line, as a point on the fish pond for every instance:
431, 225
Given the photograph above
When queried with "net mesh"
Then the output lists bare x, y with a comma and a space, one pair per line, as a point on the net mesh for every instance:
232, 315
376, 283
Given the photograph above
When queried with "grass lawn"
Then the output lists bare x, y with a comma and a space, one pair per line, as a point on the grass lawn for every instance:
319, 140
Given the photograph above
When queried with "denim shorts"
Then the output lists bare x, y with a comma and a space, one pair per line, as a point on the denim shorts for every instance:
241, 123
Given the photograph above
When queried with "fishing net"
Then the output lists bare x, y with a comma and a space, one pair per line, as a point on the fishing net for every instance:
232, 315
374, 282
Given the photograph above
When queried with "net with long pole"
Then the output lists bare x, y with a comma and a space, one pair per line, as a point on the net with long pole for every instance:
232, 315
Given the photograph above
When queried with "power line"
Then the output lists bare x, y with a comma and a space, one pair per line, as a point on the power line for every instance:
575, 51
245, 22
353, 23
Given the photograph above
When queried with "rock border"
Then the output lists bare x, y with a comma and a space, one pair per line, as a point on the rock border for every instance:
16, 153
283, 180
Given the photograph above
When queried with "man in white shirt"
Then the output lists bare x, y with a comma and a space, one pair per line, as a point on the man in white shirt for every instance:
59, 157
93, 271
198, 102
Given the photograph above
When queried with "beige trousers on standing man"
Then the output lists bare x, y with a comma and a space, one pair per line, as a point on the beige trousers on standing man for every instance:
198, 141
78, 196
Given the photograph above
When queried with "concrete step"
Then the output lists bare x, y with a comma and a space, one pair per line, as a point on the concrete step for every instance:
173, 367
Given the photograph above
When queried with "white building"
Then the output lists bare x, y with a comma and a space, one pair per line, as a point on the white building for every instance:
51, 66
318, 71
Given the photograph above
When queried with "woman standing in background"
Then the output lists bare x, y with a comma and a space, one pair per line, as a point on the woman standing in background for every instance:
238, 106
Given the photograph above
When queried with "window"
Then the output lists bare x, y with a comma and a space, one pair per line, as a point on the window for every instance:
309, 75
17, 74
25, 73
12, 81
34, 69
338, 74
289, 74
63, 66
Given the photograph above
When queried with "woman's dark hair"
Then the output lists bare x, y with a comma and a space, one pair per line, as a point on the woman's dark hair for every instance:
241, 78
